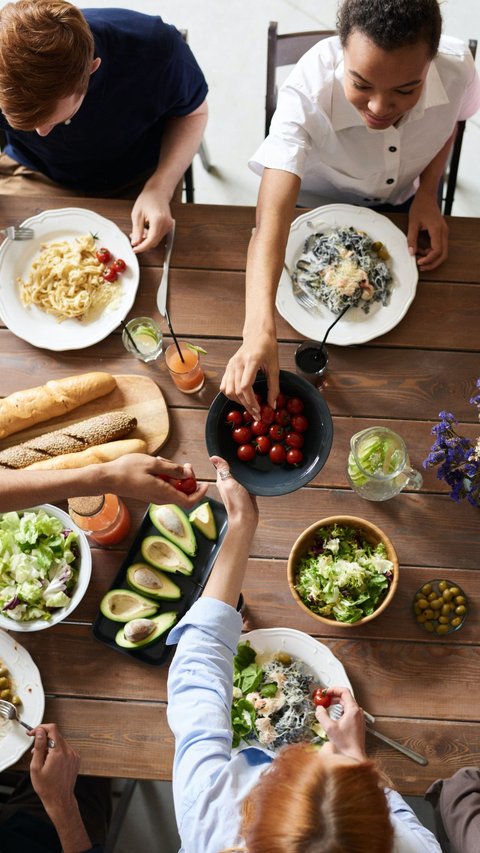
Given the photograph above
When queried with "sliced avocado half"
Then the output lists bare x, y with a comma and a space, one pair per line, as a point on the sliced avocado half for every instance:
163, 554
152, 582
122, 605
139, 633
172, 522
203, 519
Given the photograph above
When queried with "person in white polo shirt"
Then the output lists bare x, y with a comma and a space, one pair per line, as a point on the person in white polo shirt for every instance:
367, 117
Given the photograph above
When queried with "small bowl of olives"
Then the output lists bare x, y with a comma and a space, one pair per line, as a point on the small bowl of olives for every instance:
440, 607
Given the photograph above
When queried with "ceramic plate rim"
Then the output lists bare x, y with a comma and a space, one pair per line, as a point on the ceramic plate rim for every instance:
81, 586
347, 332
30, 689
70, 335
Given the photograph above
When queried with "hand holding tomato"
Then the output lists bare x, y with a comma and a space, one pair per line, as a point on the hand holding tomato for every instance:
347, 733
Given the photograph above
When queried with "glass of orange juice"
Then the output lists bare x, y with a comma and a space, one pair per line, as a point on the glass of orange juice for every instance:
187, 375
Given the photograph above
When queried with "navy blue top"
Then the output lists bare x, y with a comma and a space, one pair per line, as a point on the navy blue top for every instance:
147, 75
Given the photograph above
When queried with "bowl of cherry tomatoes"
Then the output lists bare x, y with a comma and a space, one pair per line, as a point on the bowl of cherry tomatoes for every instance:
282, 451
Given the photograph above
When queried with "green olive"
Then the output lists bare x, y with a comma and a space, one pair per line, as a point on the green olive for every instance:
429, 613
426, 588
284, 658
3, 683
444, 620
437, 604
455, 590
460, 599
442, 629
432, 596
446, 609
5, 694
429, 626
421, 618
456, 622
423, 604
416, 609
447, 595
418, 596
442, 585
460, 610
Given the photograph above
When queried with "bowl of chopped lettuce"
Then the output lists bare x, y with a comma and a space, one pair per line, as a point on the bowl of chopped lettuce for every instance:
45, 568
343, 570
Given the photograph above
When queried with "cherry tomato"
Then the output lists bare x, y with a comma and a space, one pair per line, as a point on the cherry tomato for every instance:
188, 486
103, 255
299, 423
247, 417
277, 454
294, 456
242, 435
321, 698
259, 399
276, 432
110, 274
120, 266
295, 439
262, 445
267, 414
246, 452
281, 401
234, 418
259, 428
282, 417
295, 406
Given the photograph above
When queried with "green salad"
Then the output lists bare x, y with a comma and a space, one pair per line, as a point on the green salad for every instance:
37, 571
272, 701
343, 576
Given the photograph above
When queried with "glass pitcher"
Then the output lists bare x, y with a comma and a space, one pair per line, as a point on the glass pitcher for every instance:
378, 465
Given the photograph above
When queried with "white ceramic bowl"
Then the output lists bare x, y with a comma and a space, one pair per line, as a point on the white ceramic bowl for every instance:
84, 566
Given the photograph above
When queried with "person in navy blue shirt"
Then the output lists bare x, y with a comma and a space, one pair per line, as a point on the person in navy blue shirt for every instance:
100, 102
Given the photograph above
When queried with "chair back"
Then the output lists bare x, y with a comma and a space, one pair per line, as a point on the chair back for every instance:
450, 178
285, 50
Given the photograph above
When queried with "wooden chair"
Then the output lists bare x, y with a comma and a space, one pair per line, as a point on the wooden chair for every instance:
287, 49
202, 153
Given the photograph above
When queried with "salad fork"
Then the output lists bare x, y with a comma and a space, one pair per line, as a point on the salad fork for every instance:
302, 298
9, 712
336, 712
14, 233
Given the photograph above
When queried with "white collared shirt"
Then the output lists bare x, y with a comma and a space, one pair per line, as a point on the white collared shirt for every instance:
319, 136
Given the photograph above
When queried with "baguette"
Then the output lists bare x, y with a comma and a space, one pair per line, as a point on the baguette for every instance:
70, 439
25, 408
101, 453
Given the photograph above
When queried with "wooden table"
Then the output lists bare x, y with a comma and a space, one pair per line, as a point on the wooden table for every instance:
424, 691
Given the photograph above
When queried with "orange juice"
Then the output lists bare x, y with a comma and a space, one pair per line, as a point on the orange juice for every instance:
187, 374
104, 518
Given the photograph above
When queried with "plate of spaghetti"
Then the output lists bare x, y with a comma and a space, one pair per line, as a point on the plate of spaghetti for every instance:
58, 291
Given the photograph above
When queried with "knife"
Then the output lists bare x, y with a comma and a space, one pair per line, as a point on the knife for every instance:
163, 288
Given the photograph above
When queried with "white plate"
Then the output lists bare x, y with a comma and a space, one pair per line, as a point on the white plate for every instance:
16, 257
327, 668
14, 740
355, 327
84, 573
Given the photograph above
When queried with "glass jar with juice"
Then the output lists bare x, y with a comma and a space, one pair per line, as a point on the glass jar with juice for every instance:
104, 518
187, 375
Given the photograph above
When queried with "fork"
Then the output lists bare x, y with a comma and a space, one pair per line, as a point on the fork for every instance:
302, 298
14, 233
336, 711
9, 712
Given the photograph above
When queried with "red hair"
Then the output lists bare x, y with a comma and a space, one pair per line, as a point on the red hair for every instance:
303, 805
46, 54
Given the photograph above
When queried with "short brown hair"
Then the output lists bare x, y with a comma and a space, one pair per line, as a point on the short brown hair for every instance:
302, 806
391, 24
46, 54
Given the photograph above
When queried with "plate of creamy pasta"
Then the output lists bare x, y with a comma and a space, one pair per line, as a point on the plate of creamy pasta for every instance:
71, 285
341, 255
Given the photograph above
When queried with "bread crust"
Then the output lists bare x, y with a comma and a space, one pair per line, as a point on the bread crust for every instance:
101, 453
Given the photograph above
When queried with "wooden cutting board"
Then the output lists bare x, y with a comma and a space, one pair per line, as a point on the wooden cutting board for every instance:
138, 396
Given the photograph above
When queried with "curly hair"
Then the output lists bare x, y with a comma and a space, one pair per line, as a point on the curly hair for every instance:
46, 54
391, 24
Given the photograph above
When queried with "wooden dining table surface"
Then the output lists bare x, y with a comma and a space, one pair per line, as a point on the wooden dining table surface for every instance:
424, 690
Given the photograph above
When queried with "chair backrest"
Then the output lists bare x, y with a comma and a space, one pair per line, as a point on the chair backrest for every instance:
452, 166
285, 50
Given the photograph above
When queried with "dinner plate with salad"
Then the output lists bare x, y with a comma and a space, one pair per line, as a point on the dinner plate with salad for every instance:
340, 255
279, 677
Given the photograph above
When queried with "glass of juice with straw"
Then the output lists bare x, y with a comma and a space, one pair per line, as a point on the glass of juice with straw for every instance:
187, 375
143, 338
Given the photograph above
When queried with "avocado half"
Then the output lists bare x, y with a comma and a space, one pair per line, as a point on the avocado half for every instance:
139, 633
172, 522
163, 554
203, 519
122, 605
149, 581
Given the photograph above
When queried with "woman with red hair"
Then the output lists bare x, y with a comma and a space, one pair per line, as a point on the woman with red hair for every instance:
303, 800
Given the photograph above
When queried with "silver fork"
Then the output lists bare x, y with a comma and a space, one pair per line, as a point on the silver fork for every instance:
9, 712
14, 233
302, 298
336, 711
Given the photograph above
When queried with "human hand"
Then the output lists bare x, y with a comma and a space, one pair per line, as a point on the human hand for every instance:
151, 219
53, 770
347, 733
137, 475
425, 215
258, 352
241, 506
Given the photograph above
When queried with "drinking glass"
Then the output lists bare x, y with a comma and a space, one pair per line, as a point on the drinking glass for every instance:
378, 465
311, 360
143, 338
187, 375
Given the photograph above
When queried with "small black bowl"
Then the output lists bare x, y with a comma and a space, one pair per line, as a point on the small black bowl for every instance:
261, 476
